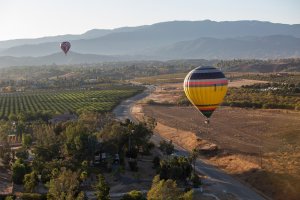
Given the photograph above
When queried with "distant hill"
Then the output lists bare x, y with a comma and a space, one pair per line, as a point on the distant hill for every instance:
168, 40
59, 38
94, 33
59, 59
267, 47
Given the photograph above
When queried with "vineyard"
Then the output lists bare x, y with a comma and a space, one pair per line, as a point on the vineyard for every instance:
62, 101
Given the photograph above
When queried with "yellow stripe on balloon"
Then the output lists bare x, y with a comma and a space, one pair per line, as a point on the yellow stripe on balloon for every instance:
206, 95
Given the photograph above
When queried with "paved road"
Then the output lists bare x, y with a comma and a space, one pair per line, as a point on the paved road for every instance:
221, 181
122, 111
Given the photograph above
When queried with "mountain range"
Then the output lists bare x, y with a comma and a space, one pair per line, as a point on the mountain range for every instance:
167, 40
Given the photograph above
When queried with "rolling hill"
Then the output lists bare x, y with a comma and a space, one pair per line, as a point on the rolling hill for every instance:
267, 47
58, 59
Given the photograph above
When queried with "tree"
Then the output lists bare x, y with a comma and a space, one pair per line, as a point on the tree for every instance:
115, 134
127, 135
176, 168
167, 190
102, 189
166, 147
48, 144
26, 140
193, 157
141, 133
79, 142
22, 153
12, 117
156, 162
30, 181
18, 171
22, 117
65, 187
134, 195
95, 121
5, 150
150, 122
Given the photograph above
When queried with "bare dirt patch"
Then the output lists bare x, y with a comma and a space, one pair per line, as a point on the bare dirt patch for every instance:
167, 93
262, 147
129, 180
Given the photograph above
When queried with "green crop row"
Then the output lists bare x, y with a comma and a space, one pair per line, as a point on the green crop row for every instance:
62, 101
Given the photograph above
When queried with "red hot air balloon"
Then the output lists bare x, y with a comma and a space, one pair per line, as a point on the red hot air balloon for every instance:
65, 46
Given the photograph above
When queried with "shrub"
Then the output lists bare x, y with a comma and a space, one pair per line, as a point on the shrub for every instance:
151, 102
147, 148
166, 147
183, 101
33, 196
132, 153
195, 180
133, 195
30, 181
133, 165
156, 162
19, 171
22, 154
8, 198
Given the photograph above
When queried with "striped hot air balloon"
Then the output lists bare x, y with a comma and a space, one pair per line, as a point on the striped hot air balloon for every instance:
205, 87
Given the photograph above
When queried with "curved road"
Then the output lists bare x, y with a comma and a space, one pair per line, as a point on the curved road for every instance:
218, 180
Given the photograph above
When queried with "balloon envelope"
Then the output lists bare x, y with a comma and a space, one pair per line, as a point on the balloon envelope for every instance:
65, 46
205, 87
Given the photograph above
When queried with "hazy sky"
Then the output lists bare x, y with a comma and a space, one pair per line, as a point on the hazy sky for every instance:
37, 18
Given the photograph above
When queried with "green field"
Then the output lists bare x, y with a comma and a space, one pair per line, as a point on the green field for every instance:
62, 101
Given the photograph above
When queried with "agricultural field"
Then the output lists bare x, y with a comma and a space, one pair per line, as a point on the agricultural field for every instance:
264, 96
65, 100
164, 78
287, 78
273, 91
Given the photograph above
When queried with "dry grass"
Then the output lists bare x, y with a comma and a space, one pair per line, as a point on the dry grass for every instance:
240, 143
241, 134
234, 163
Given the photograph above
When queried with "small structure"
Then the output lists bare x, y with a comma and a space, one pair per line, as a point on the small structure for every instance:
282, 74
12, 138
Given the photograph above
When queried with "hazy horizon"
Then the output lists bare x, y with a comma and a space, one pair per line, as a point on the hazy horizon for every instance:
33, 18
